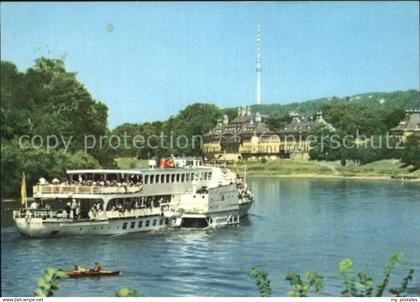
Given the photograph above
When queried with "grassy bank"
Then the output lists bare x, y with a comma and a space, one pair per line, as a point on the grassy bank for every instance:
131, 163
287, 167
300, 168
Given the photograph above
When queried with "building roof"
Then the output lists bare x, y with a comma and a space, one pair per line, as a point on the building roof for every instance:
411, 122
245, 124
301, 124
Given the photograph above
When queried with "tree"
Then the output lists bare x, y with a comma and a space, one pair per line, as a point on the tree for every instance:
411, 153
47, 100
277, 121
324, 144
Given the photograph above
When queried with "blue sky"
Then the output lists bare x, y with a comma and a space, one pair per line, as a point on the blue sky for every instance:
160, 57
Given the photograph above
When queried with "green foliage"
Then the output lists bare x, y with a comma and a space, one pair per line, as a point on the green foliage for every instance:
301, 287
186, 129
397, 100
411, 153
363, 287
49, 282
366, 283
398, 292
128, 292
47, 100
262, 282
325, 144
37, 163
278, 121
345, 268
393, 260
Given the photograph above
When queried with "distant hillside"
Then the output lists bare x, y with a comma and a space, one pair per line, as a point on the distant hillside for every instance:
409, 99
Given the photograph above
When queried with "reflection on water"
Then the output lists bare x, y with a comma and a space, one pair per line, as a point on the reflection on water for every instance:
296, 225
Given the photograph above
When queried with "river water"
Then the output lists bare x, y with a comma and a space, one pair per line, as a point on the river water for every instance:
296, 225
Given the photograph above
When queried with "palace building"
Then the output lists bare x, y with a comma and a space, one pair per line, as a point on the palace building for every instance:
410, 126
245, 136
294, 136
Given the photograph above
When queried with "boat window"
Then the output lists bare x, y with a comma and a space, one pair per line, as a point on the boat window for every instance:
133, 224
168, 178
162, 178
177, 178
188, 177
154, 222
166, 221
147, 223
161, 221
152, 178
125, 225
173, 178
146, 179
157, 178
209, 175
140, 224
182, 177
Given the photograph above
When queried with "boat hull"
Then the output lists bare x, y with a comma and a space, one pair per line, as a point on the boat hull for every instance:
73, 274
39, 228
244, 208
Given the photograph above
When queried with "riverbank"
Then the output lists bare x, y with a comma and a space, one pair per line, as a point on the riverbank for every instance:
381, 170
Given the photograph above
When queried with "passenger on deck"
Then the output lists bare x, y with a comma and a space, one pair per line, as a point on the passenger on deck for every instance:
73, 208
34, 205
78, 210
68, 209
92, 213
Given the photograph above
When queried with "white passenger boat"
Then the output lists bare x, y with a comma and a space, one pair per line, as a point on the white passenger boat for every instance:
179, 193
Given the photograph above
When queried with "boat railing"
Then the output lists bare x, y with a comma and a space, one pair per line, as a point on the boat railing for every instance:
134, 213
83, 189
38, 213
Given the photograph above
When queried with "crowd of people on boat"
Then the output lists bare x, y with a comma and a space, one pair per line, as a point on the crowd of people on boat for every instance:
132, 181
72, 210
96, 211
244, 192
144, 203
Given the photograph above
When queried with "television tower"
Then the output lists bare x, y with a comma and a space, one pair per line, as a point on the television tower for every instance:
258, 67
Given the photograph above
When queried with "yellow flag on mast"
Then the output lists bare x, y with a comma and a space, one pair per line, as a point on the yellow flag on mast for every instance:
23, 190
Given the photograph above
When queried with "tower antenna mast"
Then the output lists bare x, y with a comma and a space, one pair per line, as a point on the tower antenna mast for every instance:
258, 66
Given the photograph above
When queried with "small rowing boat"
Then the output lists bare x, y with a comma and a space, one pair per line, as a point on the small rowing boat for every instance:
74, 274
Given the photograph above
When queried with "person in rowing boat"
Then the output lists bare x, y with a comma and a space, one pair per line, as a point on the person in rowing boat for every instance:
97, 267
77, 268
